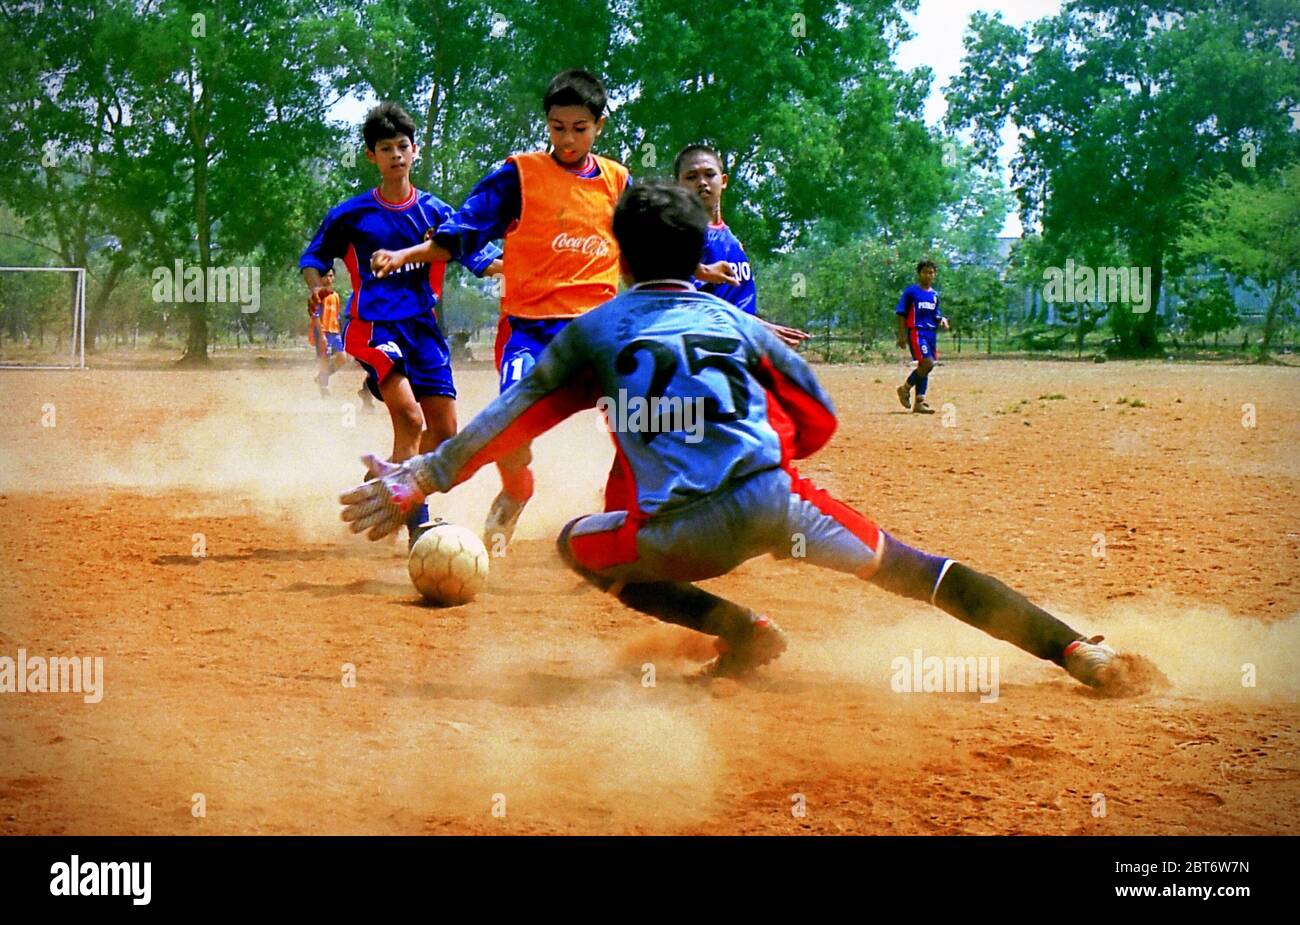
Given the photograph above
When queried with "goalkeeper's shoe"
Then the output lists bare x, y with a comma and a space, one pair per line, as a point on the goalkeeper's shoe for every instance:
1089, 661
502, 519
736, 658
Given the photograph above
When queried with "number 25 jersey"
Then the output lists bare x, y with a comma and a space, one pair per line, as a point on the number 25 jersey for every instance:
642, 357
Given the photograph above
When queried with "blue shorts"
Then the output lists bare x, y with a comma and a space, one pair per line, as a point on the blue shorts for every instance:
412, 346
520, 341
325, 343
924, 343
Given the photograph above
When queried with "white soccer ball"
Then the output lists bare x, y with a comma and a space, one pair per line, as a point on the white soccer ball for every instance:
448, 565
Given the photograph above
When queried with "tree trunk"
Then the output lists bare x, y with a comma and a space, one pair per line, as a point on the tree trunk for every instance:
1147, 340
1270, 319
94, 315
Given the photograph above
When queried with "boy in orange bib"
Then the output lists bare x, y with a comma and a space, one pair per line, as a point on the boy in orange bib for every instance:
554, 211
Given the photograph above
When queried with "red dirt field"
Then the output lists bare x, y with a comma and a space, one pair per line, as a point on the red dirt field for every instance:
223, 673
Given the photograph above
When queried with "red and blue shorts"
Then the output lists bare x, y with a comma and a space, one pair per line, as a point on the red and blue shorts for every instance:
412, 347
520, 342
327, 343
924, 343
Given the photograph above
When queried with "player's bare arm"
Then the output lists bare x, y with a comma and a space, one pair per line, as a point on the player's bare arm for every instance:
383, 262
791, 337
317, 289
902, 332
720, 272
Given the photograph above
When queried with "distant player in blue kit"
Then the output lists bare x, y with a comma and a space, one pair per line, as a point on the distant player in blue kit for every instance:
919, 319
686, 503
393, 329
698, 168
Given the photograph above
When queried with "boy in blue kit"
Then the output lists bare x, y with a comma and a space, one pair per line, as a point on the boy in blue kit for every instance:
553, 211
698, 168
685, 504
393, 329
919, 319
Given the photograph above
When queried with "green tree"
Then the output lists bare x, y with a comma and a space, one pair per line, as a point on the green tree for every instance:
1251, 230
820, 132
1209, 308
1122, 108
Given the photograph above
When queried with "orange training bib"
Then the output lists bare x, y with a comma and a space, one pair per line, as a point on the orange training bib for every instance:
561, 258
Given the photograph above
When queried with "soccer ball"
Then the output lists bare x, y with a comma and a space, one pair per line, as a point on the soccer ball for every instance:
448, 565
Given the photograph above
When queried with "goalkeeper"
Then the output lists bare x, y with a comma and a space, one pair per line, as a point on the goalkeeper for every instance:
686, 503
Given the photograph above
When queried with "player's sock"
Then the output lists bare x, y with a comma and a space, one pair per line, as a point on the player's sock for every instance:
419, 515
678, 602
684, 604
922, 383
913, 379
975, 598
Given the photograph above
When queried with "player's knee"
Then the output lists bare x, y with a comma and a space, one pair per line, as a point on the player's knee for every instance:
517, 459
908, 571
563, 547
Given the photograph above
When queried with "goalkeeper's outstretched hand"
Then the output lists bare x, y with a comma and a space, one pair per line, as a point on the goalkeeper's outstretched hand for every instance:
383, 503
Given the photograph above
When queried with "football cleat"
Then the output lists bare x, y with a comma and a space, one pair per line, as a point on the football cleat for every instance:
1087, 660
921, 407
764, 643
905, 395
501, 521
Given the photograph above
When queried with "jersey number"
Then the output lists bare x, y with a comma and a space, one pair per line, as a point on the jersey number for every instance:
703, 351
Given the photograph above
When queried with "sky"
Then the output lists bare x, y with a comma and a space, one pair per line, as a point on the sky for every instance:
938, 26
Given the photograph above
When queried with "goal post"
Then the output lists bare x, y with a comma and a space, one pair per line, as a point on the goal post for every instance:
42, 318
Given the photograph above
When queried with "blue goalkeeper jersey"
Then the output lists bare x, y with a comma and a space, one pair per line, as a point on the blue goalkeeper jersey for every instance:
640, 358
353, 230
721, 244
920, 308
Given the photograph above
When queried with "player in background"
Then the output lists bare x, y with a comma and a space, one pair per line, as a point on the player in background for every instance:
698, 168
686, 504
919, 319
345, 315
553, 212
393, 331
323, 334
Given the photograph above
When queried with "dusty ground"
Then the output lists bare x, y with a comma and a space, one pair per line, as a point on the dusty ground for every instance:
223, 673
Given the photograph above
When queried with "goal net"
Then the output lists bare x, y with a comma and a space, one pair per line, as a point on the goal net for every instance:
42, 318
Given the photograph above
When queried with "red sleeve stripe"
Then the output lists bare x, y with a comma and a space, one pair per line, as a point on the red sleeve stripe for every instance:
810, 423
577, 395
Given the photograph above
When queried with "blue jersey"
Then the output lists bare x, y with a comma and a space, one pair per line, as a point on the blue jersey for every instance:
920, 307
353, 230
492, 206
721, 244
642, 358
